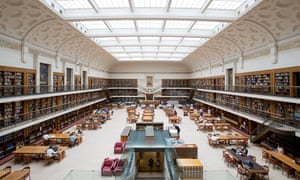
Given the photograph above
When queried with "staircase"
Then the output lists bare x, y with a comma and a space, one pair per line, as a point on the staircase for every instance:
260, 134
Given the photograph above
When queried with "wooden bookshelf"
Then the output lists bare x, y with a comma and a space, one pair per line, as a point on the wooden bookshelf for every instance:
175, 83
77, 82
58, 82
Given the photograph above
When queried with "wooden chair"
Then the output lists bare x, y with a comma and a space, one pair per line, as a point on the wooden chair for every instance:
266, 174
288, 170
265, 155
276, 163
27, 169
297, 175
242, 173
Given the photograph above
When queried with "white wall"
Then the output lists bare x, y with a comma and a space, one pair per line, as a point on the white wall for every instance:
150, 67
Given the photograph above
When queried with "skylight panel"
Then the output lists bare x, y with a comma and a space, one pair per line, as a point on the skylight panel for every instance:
185, 49
167, 48
114, 49
164, 54
150, 48
171, 38
207, 25
135, 54
149, 39
150, 3
149, 54
94, 24
105, 39
149, 23
121, 24
120, 55
187, 3
74, 4
133, 48
178, 24
226, 4
128, 38
112, 3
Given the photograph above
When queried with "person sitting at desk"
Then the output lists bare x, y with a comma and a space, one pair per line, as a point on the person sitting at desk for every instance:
280, 149
244, 151
73, 139
52, 152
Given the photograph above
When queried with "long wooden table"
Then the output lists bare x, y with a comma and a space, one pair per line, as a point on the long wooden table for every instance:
40, 151
4, 172
147, 118
229, 140
17, 175
284, 159
253, 170
64, 137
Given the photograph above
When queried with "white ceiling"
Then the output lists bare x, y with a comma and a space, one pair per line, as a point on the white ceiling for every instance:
192, 32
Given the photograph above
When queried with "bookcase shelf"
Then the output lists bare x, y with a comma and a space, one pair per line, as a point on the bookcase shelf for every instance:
282, 83
176, 83
58, 82
257, 83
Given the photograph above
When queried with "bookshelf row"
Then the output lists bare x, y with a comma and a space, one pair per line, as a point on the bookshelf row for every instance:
123, 83
15, 112
33, 134
175, 83
258, 107
280, 82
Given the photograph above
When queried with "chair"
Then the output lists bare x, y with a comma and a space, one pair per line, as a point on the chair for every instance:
288, 170
297, 175
27, 169
106, 168
119, 147
265, 155
276, 163
120, 167
5, 171
242, 172
265, 175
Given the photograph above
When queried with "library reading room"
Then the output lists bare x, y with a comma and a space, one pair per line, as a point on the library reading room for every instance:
149, 89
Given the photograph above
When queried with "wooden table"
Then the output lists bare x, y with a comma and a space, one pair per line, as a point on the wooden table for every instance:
125, 134
190, 168
17, 175
174, 119
64, 137
39, 151
147, 118
4, 172
253, 170
222, 126
148, 114
227, 140
284, 159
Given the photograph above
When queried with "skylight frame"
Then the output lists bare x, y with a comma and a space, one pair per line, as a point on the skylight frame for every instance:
74, 4
154, 33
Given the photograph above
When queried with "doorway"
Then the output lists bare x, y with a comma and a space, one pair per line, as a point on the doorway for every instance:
229, 82
296, 76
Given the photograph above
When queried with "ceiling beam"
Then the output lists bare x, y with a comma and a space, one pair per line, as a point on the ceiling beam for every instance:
205, 6
94, 6
154, 14
165, 33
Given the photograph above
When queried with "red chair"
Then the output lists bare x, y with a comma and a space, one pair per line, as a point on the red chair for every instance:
120, 167
119, 147
106, 168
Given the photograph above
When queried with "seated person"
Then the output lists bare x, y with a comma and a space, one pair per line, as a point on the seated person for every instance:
244, 151
280, 149
73, 138
52, 152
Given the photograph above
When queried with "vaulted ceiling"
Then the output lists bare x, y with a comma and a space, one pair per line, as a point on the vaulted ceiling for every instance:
192, 32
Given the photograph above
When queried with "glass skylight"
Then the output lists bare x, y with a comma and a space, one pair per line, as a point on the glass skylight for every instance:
226, 4
122, 24
150, 3
74, 4
112, 3
149, 23
187, 3
93, 24
150, 29
178, 24
209, 25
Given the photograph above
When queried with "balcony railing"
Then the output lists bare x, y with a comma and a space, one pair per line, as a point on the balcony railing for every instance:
287, 120
15, 119
292, 91
9, 91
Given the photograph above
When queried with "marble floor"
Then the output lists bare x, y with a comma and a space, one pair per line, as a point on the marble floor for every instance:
98, 144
